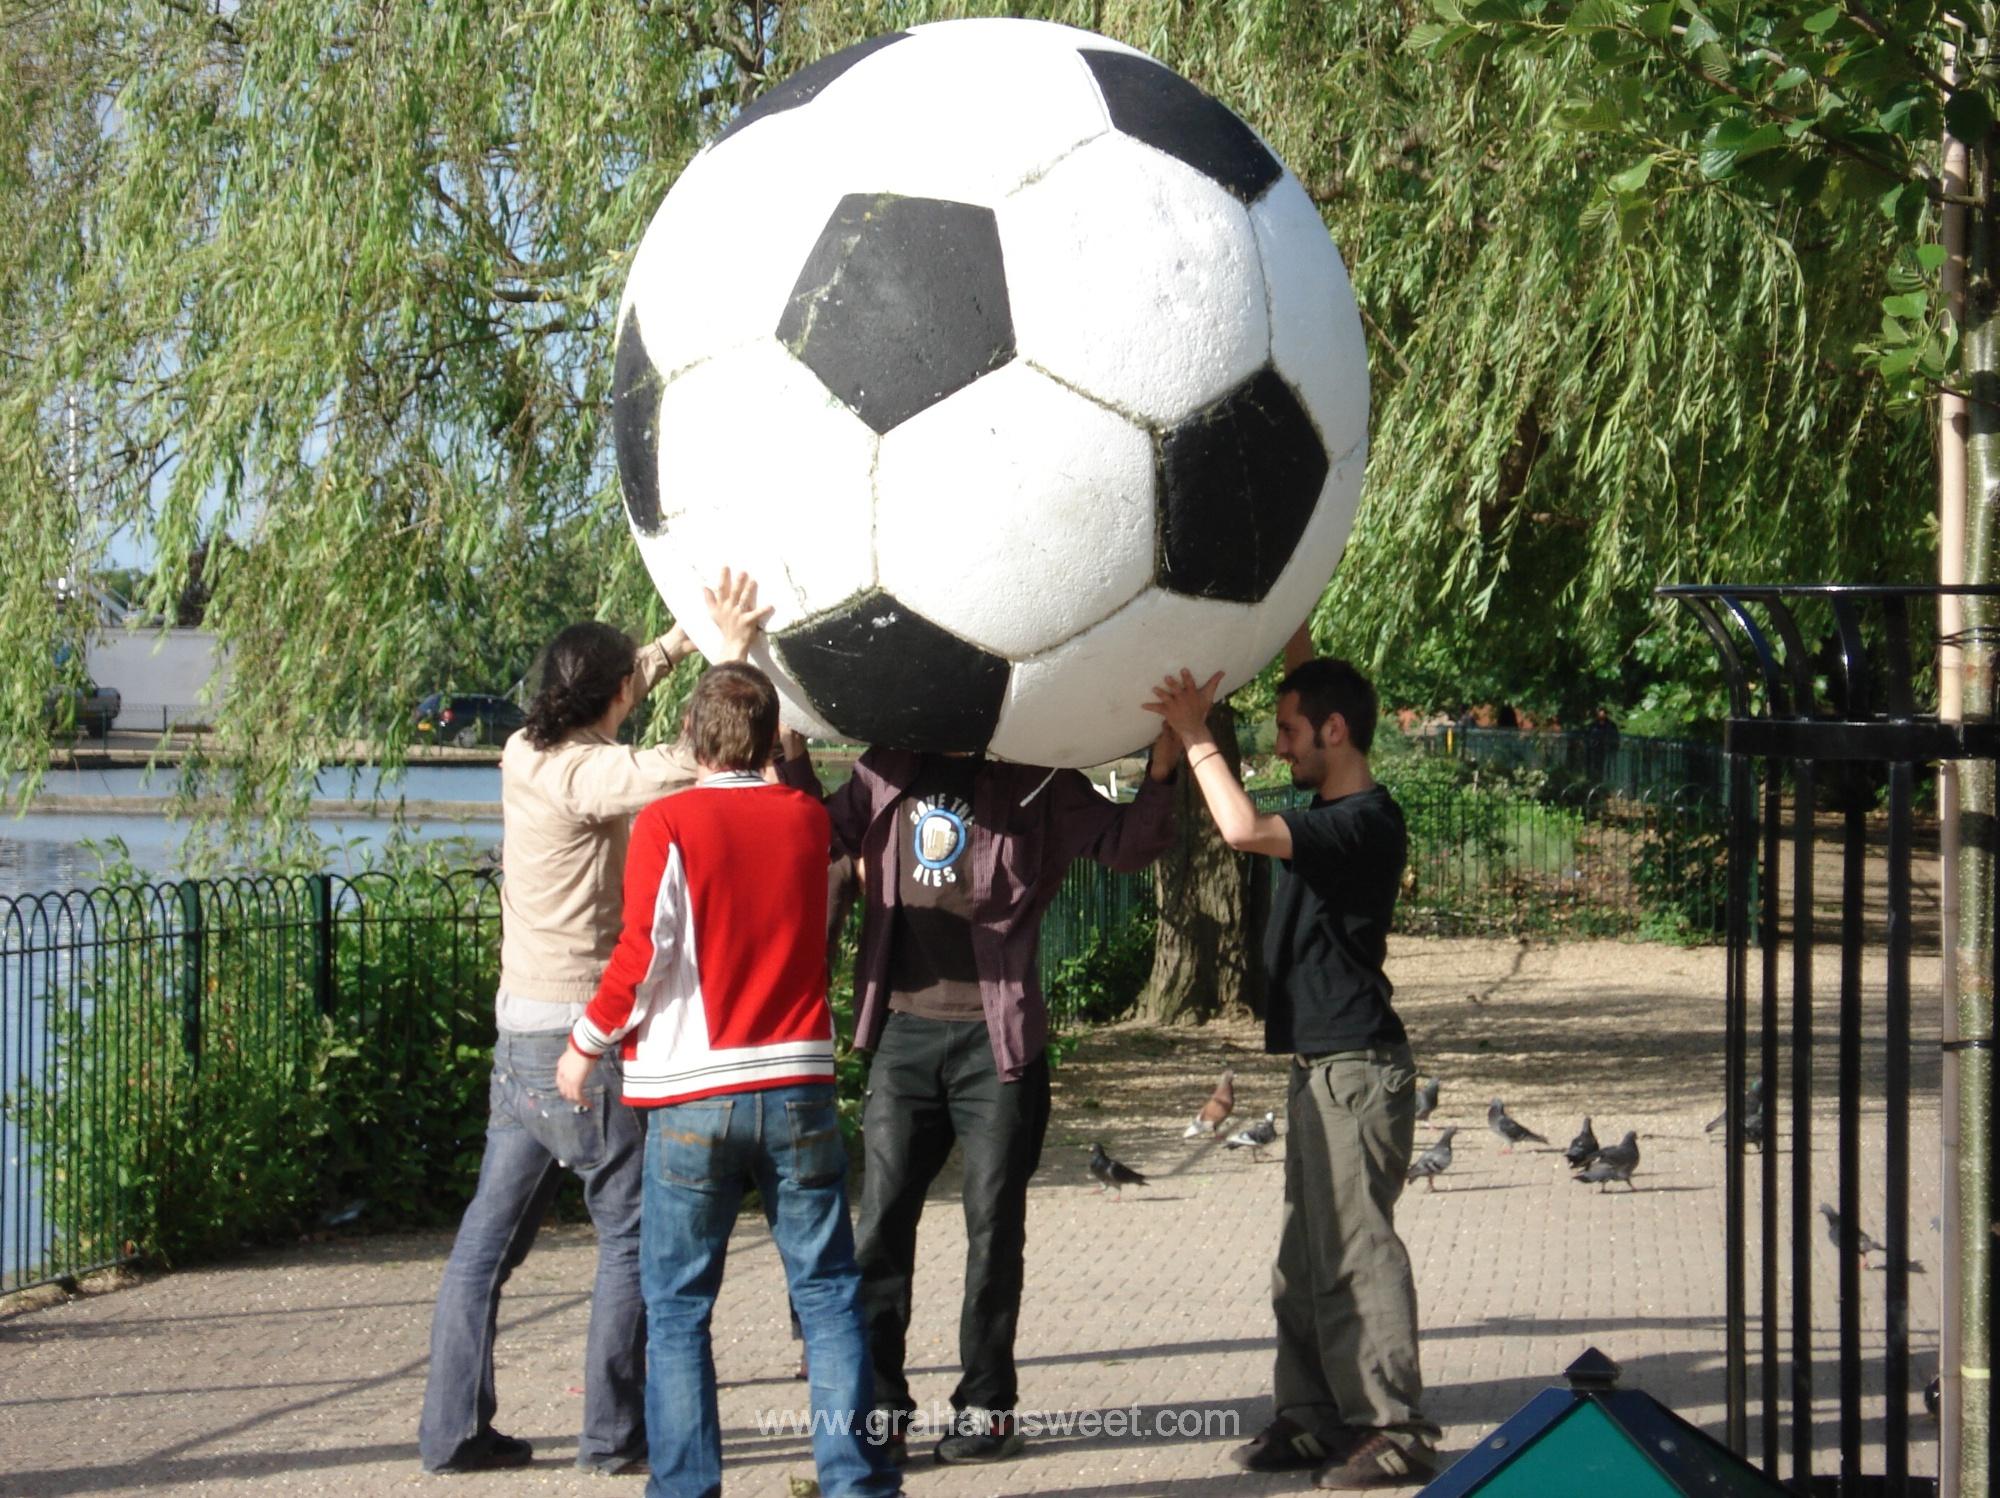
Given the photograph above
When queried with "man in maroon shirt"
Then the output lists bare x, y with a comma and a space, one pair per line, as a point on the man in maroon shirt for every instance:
962, 857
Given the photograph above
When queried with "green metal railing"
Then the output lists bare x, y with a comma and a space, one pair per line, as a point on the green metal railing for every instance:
143, 1029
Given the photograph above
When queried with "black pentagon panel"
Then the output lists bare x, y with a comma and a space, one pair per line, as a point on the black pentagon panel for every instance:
635, 426
901, 302
804, 85
1155, 104
1238, 482
888, 676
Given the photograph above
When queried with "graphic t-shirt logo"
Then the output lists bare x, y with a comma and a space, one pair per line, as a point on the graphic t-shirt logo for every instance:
938, 838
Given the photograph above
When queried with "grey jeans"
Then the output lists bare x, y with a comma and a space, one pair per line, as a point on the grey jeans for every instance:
532, 1137
1345, 1299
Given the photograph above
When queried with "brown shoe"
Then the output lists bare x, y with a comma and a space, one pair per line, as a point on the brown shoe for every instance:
1377, 1461
1284, 1446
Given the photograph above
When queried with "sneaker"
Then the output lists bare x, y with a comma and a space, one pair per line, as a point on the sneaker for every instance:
887, 1431
1282, 1446
492, 1452
615, 1466
981, 1436
1377, 1460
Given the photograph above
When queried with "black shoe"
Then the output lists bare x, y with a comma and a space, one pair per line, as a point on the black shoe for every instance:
982, 1436
887, 1433
491, 1452
1283, 1446
1378, 1460
615, 1466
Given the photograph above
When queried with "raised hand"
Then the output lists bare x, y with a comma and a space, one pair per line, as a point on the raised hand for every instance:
1184, 704
732, 604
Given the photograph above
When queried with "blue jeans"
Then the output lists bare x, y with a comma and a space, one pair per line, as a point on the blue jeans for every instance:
531, 1136
700, 1156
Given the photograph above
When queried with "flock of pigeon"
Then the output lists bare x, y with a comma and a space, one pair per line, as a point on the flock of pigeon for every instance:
1592, 1163
1595, 1164
1208, 1123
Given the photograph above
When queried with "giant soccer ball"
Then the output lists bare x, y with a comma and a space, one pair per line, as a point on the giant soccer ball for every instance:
1016, 369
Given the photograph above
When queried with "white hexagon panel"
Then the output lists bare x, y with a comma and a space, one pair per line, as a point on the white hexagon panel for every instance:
1156, 336
1018, 371
970, 533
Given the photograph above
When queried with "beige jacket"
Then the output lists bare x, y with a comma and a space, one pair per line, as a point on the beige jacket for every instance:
565, 815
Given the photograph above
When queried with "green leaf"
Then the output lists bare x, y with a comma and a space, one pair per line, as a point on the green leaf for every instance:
1898, 362
1822, 21
1600, 114
1716, 65
1657, 21
1913, 304
1597, 15
1633, 177
1791, 78
1969, 115
1930, 256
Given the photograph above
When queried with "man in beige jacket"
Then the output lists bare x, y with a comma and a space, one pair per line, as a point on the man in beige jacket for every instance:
568, 790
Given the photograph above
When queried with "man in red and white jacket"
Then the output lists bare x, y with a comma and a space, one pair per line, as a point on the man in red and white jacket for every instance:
716, 995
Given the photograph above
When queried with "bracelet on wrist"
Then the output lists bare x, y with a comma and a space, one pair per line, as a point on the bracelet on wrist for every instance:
1195, 761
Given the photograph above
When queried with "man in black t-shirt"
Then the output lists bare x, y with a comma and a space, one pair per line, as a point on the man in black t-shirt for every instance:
1347, 1387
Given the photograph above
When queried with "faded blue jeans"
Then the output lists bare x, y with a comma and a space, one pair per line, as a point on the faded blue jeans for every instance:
700, 1156
532, 1135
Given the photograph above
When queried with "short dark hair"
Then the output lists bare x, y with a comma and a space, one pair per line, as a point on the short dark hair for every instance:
1326, 686
732, 717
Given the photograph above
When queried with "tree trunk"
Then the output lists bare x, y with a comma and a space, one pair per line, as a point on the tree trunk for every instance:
1211, 904
1980, 352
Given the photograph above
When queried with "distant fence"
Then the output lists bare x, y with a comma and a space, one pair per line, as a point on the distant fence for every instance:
1620, 764
186, 1064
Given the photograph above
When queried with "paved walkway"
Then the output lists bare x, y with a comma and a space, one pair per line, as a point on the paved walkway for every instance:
302, 1370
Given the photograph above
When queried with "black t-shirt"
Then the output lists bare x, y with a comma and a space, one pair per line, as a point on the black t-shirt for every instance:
931, 968
1329, 927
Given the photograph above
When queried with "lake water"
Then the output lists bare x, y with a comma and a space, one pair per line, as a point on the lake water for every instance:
53, 850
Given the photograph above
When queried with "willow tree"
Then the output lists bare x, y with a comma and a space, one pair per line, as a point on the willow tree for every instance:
335, 280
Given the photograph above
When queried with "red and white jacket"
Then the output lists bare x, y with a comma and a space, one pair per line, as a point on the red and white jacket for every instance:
718, 981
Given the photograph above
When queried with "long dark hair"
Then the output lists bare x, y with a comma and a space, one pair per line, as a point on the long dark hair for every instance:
582, 670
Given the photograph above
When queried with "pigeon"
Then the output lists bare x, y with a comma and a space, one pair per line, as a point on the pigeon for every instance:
1498, 1121
1112, 1173
1582, 1149
1753, 1107
1614, 1162
1215, 1112
1863, 1243
1754, 1126
1433, 1162
1254, 1138
1427, 1098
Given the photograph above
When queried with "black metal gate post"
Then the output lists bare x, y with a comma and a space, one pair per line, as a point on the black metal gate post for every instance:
1837, 717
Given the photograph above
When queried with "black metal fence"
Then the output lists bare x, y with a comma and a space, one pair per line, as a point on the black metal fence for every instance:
171, 1051
1619, 764
1834, 720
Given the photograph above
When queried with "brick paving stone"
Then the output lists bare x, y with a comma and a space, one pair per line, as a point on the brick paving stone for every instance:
301, 1370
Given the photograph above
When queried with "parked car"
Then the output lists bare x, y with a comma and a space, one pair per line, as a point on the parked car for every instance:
96, 709
85, 708
466, 720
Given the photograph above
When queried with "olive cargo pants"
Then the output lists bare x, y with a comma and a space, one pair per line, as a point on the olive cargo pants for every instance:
1345, 1298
